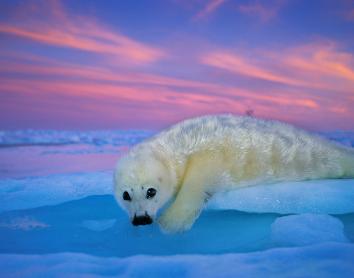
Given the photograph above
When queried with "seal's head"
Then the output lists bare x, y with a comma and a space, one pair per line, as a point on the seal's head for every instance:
142, 185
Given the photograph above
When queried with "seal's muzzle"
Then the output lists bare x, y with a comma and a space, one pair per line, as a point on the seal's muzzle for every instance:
142, 220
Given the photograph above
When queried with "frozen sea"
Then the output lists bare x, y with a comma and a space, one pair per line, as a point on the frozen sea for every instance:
58, 218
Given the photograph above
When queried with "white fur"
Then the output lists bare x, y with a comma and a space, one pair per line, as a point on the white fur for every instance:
193, 159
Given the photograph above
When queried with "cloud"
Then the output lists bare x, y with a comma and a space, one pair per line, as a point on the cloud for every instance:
349, 15
237, 64
151, 102
94, 79
78, 32
316, 66
208, 9
121, 85
106, 98
263, 11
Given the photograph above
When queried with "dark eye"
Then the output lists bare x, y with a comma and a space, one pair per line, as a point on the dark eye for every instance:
151, 192
126, 196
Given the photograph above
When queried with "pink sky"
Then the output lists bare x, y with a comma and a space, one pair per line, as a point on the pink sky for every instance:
148, 64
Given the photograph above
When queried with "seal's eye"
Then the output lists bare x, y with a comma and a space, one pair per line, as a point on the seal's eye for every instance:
126, 196
150, 193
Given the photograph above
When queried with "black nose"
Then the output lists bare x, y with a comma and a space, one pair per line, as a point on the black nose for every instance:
142, 220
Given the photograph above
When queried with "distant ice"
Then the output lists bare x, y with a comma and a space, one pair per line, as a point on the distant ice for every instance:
40, 161
307, 229
325, 260
61, 137
110, 137
29, 153
343, 137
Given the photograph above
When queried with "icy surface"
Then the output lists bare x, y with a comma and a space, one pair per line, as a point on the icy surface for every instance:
321, 196
318, 196
343, 137
57, 137
110, 137
306, 229
325, 260
98, 225
35, 161
53, 189
58, 218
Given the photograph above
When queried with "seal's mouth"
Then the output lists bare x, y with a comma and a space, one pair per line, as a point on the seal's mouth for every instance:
142, 220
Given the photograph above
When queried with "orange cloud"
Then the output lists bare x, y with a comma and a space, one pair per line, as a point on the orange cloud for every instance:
322, 60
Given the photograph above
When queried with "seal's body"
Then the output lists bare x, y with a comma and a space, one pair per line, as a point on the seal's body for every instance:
198, 157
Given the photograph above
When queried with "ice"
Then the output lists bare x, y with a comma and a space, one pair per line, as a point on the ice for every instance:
306, 229
325, 260
58, 218
317, 196
52, 189
99, 226
23, 223
58, 137
109, 137
343, 137
96, 225
39, 161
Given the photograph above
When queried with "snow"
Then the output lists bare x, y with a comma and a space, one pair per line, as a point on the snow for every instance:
325, 260
58, 218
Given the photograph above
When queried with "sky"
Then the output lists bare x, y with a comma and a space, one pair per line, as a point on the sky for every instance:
145, 64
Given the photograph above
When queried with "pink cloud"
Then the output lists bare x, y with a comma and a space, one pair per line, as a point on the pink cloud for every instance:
264, 11
237, 64
100, 104
316, 66
94, 80
349, 15
322, 59
104, 98
208, 9
311, 81
81, 33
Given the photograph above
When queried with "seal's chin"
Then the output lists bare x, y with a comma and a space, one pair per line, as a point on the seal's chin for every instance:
142, 220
